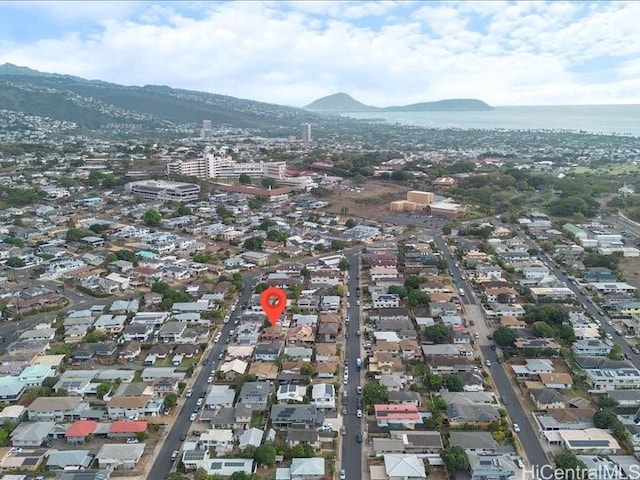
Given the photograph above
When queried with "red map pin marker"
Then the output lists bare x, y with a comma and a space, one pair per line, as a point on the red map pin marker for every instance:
273, 301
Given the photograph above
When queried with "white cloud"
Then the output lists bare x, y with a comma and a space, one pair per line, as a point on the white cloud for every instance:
294, 52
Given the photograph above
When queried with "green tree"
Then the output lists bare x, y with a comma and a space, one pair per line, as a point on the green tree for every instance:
95, 337
543, 330
338, 244
103, 389
152, 217
568, 462
201, 474
343, 264
455, 459
398, 290
616, 352
171, 400
438, 333
244, 179
505, 336
253, 244
412, 282
306, 369
435, 382
418, 298
350, 223
142, 436
183, 210
455, 383
223, 212
50, 382
302, 450
374, 393
15, 262
359, 180
75, 234
265, 454
604, 419
268, 182
607, 401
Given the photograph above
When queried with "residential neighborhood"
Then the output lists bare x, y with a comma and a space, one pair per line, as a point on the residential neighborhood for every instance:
134, 343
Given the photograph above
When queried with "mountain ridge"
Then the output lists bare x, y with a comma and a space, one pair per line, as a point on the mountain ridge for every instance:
343, 102
95, 104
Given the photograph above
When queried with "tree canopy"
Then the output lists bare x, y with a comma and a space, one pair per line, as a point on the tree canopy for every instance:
505, 336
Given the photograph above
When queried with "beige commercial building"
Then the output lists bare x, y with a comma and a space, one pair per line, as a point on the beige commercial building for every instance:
416, 201
417, 196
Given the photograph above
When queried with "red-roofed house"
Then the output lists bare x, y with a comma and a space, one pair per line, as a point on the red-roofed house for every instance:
126, 428
79, 431
397, 416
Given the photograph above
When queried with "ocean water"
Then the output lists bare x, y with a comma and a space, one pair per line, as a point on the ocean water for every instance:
597, 119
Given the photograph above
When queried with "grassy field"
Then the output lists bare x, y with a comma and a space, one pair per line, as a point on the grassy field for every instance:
372, 202
613, 169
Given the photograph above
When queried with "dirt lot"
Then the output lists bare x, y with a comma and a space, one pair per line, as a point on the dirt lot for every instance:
371, 203
630, 268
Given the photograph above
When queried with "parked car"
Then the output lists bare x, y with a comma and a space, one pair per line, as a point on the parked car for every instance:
359, 390
193, 417
131, 441
516, 428
189, 392
359, 438
200, 401
359, 413
174, 454
343, 474
343, 430
487, 363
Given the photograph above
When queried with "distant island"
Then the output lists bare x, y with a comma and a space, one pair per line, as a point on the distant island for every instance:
342, 102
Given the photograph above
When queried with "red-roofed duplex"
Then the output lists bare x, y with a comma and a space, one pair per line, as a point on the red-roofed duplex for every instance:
126, 429
397, 416
78, 432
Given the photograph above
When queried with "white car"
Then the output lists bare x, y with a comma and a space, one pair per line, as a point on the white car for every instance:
516, 428
210, 380
359, 413
487, 363
189, 392
193, 417
200, 402
343, 474
359, 389
131, 441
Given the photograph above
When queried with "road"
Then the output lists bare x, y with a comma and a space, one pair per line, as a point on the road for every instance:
527, 436
163, 462
588, 304
11, 330
351, 449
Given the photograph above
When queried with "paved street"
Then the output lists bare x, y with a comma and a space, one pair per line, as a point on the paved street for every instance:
528, 439
163, 463
351, 449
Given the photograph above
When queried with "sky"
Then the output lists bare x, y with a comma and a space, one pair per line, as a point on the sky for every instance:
381, 53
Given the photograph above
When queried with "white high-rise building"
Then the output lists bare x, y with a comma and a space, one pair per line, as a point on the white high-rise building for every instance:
222, 165
206, 131
306, 132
